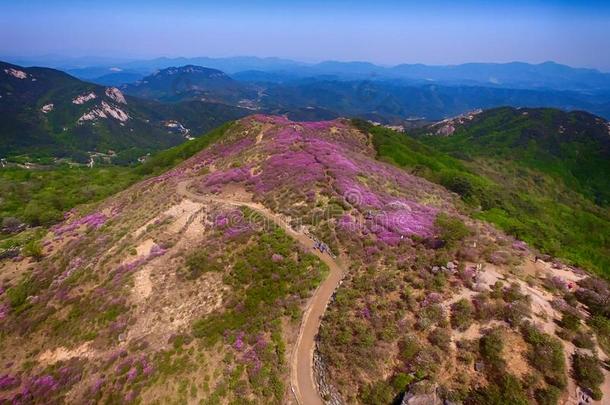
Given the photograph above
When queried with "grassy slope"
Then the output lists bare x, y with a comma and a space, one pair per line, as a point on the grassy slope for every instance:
536, 207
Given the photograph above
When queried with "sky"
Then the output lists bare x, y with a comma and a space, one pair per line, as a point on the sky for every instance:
386, 32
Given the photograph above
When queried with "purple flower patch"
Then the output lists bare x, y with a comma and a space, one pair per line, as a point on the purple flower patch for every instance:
8, 382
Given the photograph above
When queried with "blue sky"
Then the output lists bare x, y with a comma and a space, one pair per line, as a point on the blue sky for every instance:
385, 31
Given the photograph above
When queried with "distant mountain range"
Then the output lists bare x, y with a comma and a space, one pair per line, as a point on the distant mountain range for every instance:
547, 75
38, 111
381, 99
47, 112
385, 94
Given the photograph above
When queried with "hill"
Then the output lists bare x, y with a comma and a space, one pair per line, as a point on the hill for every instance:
192, 83
210, 281
573, 146
45, 112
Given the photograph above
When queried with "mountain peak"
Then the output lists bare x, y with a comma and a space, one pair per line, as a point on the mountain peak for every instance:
190, 69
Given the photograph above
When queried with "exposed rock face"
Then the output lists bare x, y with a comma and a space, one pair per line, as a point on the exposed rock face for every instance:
116, 95
47, 108
105, 110
448, 126
19, 74
421, 399
83, 98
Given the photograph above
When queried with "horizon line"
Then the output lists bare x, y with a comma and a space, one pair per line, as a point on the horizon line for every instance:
123, 59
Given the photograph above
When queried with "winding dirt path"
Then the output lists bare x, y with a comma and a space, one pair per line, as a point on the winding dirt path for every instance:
301, 362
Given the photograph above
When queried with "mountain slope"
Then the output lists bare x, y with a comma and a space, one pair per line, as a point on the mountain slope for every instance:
523, 197
192, 285
47, 112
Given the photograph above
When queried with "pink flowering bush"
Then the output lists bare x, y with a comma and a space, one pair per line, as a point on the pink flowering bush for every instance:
92, 221
8, 382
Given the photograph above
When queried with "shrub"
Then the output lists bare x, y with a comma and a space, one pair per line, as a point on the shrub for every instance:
11, 224
513, 293
508, 391
379, 392
451, 229
570, 321
200, 262
461, 314
441, 338
409, 348
431, 315
548, 396
584, 340
18, 294
400, 381
514, 313
491, 346
33, 249
588, 373
458, 183
601, 326
546, 355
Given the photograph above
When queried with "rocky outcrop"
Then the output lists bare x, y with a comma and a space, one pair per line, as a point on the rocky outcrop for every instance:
413, 397
19, 74
327, 391
105, 110
116, 95
83, 98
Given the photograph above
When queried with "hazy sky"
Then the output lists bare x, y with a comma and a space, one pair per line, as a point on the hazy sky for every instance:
383, 31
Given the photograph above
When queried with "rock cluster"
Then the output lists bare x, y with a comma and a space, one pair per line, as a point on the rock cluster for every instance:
327, 391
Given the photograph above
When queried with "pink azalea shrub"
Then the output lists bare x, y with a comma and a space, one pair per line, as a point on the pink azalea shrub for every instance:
92, 221
8, 382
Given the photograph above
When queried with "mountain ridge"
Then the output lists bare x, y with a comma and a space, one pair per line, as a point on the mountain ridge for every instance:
419, 273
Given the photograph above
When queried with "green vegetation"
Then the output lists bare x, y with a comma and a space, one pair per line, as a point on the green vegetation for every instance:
601, 326
462, 314
538, 203
491, 347
258, 298
41, 196
508, 391
588, 373
546, 355
452, 230
200, 262
379, 392
571, 146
